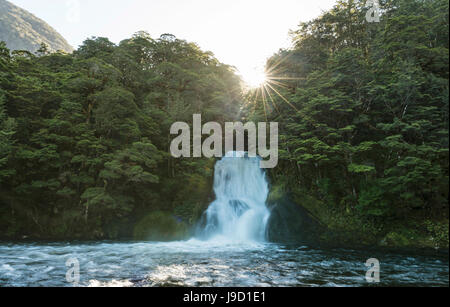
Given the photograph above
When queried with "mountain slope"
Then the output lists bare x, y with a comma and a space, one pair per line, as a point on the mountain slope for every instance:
22, 30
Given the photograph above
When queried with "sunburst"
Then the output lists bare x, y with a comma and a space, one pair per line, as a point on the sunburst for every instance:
266, 85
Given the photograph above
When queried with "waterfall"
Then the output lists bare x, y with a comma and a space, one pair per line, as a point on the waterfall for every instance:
239, 213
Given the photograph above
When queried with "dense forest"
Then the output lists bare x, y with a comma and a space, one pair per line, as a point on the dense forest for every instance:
85, 137
362, 108
366, 137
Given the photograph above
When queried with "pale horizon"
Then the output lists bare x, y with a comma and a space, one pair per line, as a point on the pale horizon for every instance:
242, 34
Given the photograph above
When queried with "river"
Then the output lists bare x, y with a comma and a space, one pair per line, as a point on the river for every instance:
197, 263
229, 250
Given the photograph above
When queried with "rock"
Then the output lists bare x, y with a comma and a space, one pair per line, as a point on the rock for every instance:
290, 222
394, 239
160, 226
22, 30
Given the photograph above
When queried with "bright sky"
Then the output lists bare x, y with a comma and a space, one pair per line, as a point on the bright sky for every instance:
242, 33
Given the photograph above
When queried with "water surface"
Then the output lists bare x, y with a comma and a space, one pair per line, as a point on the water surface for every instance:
197, 263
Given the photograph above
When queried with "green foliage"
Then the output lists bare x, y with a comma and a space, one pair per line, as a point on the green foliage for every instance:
438, 232
84, 137
372, 201
88, 133
7, 131
368, 126
160, 226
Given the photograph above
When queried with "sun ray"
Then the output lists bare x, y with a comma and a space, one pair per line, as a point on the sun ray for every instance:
270, 79
271, 99
263, 91
282, 60
279, 84
264, 103
285, 78
255, 102
282, 97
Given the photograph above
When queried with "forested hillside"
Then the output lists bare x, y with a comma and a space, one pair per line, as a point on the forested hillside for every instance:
85, 137
362, 108
364, 143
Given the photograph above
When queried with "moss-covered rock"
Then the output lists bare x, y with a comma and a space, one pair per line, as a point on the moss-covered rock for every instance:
345, 227
395, 239
277, 193
438, 232
289, 223
160, 226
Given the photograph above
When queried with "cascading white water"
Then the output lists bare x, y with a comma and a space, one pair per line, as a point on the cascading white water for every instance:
239, 213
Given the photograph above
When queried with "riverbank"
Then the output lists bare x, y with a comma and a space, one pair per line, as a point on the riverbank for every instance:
336, 227
296, 217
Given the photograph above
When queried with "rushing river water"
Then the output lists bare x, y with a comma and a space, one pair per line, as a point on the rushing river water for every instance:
232, 252
197, 263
